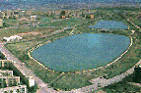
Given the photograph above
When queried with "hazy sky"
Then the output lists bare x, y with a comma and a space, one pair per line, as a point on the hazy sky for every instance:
72, 0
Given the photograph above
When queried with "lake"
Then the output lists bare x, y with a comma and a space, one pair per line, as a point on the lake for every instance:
105, 24
82, 51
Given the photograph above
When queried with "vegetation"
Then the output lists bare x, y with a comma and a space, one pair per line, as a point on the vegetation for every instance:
65, 23
32, 89
68, 81
123, 86
2, 56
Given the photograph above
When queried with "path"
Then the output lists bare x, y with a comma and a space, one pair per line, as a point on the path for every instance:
134, 24
135, 84
102, 82
97, 83
22, 68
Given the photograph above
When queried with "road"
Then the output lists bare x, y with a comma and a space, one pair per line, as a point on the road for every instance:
97, 83
22, 68
102, 82
25, 70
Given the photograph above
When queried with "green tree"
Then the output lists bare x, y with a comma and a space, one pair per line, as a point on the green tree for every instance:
2, 56
62, 13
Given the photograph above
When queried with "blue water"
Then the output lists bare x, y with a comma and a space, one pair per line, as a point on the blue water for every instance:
82, 51
105, 24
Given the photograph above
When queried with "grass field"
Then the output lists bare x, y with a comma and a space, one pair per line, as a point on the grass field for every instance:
65, 23
72, 80
123, 86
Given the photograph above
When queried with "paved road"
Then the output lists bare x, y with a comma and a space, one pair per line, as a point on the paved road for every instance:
135, 84
24, 70
102, 82
97, 83
43, 86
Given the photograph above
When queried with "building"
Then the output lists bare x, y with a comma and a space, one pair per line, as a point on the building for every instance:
12, 38
92, 16
33, 18
8, 14
23, 19
24, 75
6, 73
31, 81
9, 82
2, 15
63, 16
22, 13
16, 14
14, 89
1, 22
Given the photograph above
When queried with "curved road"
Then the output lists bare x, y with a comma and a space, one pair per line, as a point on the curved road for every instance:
44, 87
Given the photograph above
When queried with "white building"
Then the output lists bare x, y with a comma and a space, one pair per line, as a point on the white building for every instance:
31, 81
12, 38
33, 18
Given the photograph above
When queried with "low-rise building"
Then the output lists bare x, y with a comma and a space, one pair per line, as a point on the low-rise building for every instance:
16, 14
14, 89
24, 75
63, 16
6, 73
31, 81
23, 19
92, 16
2, 14
12, 38
22, 13
10, 83
33, 18
8, 14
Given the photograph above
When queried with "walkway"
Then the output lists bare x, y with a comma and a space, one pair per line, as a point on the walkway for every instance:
135, 84
21, 67
102, 82
134, 24
97, 83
